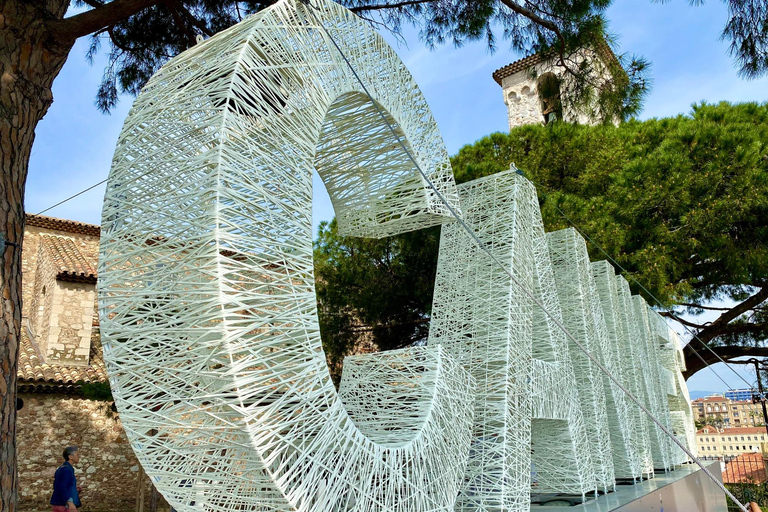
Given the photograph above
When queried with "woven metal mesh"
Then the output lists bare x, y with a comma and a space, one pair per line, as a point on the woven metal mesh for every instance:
208, 306
207, 297
525, 401
616, 325
570, 262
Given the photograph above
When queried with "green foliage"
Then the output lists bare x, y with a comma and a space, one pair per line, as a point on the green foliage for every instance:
747, 29
96, 391
681, 203
374, 290
142, 42
747, 493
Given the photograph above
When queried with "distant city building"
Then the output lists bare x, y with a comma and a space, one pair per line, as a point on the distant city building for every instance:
729, 442
532, 86
723, 412
743, 395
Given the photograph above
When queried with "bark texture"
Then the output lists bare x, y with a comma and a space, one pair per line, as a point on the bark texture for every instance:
29, 62
697, 357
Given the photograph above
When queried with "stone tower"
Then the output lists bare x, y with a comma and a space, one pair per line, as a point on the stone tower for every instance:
531, 86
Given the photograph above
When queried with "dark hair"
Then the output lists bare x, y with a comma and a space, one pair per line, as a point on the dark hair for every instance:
69, 450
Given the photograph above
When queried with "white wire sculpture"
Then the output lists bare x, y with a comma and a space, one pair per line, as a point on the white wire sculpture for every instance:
521, 364
678, 400
570, 262
626, 463
208, 307
614, 311
680, 405
636, 352
207, 299
657, 380
636, 315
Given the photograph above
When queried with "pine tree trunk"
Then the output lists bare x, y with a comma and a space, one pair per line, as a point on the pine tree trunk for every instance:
29, 62
154, 498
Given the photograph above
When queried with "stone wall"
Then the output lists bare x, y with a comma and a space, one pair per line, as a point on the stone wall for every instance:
522, 100
108, 471
38, 319
87, 244
71, 322
60, 315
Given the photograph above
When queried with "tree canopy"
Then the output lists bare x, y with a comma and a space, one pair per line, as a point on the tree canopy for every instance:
143, 34
140, 42
680, 203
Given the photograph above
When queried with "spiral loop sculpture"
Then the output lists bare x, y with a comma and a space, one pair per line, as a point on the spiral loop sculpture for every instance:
207, 298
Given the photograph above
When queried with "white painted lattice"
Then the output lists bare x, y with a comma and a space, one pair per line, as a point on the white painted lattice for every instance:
519, 361
570, 262
208, 308
614, 311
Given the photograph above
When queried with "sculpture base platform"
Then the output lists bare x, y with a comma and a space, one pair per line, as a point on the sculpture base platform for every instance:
686, 489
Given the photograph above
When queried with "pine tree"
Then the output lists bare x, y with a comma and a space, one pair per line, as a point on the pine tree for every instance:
680, 203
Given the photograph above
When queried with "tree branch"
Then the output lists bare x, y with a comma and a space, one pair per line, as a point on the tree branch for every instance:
118, 44
683, 321
378, 7
184, 27
549, 25
697, 306
745, 361
695, 363
717, 327
69, 29
358, 328
191, 18
711, 330
128, 49
519, 9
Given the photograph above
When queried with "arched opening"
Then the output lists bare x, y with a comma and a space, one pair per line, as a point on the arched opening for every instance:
375, 188
548, 86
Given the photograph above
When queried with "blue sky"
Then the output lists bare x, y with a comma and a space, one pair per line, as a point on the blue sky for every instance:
74, 142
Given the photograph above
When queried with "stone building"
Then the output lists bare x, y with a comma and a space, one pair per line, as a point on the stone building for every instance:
532, 86
60, 352
730, 442
722, 412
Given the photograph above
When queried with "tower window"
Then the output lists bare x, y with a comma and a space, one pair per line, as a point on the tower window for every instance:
548, 86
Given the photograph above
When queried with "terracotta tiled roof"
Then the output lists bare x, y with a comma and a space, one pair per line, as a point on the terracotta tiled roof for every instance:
517, 66
732, 431
69, 262
747, 467
70, 226
35, 375
531, 60
710, 399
